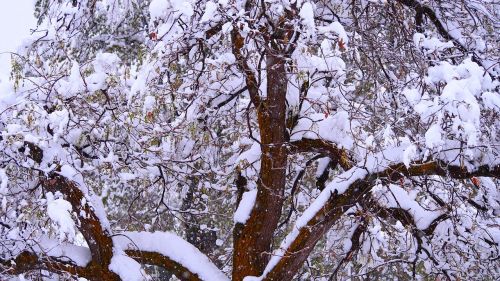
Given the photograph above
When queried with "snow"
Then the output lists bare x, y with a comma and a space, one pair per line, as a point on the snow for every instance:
336, 128
158, 8
126, 176
106, 63
183, 7
59, 211
149, 103
412, 95
397, 197
223, 3
431, 44
72, 174
337, 28
409, 155
75, 82
433, 137
4, 180
210, 11
77, 254
327, 60
491, 100
59, 119
173, 247
227, 27
245, 207
251, 155
463, 86
322, 166
307, 15
127, 268
99, 211
46, 246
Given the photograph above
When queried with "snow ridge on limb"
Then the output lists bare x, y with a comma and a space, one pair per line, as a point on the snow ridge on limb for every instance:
170, 251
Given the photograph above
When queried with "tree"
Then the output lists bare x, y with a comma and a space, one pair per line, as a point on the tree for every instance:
262, 140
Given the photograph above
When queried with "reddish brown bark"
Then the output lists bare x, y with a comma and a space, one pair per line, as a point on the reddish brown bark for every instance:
252, 241
152, 258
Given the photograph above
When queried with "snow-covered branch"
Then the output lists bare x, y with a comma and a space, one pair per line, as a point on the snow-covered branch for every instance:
28, 261
422, 9
324, 147
168, 250
53, 260
344, 192
90, 225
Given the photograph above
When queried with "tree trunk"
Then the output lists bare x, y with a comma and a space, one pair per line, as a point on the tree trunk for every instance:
252, 241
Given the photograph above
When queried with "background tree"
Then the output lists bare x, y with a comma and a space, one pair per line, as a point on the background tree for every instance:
282, 139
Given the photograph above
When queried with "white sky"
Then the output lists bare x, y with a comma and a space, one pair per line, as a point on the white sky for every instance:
16, 19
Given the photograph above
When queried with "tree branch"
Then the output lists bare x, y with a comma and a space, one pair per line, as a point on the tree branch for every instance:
323, 147
97, 237
153, 258
28, 261
355, 245
306, 237
251, 81
171, 252
426, 10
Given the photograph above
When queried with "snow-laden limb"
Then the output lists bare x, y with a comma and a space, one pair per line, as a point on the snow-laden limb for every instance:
27, 261
77, 255
53, 256
170, 251
411, 216
396, 197
59, 211
46, 247
354, 245
90, 225
91, 263
345, 191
